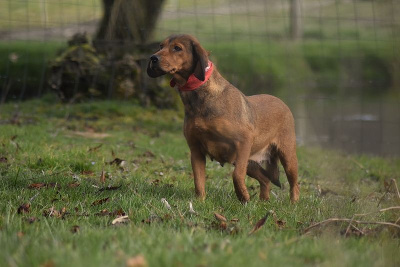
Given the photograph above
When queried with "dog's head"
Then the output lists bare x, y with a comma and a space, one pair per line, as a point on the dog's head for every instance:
181, 56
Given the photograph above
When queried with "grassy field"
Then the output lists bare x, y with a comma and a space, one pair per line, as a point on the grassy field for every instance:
62, 183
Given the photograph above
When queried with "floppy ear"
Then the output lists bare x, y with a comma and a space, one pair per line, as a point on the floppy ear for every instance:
200, 58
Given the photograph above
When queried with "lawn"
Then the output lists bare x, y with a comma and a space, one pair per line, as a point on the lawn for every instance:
68, 171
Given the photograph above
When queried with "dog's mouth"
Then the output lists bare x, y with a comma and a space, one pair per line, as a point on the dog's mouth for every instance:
154, 70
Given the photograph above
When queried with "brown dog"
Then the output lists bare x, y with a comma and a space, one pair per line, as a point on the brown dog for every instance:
226, 125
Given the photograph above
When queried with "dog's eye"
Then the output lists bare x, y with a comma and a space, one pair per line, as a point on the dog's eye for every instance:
177, 48
161, 46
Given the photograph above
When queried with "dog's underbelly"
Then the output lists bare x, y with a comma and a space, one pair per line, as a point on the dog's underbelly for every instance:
221, 151
261, 155
224, 152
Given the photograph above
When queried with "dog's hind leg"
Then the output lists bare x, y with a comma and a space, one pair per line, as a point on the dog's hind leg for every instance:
288, 158
254, 170
264, 177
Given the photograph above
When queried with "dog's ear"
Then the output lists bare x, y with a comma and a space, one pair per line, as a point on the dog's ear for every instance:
200, 58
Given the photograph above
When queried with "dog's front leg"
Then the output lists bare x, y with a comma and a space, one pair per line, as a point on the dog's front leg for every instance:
198, 161
239, 173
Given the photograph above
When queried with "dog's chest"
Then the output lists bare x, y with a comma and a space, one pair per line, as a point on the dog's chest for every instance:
214, 137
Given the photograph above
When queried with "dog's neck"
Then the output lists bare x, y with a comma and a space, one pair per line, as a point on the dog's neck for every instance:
201, 102
191, 82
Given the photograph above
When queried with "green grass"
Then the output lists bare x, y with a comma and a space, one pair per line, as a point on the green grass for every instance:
373, 21
46, 142
21, 14
24, 66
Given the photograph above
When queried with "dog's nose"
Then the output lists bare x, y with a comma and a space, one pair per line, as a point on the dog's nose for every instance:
154, 58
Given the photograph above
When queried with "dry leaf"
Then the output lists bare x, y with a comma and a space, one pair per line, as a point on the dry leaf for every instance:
148, 154
259, 224
92, 135
63, 211
281, 224
75, 229
100, 201
222, 225
117, 162
32, 219
24, 208
262, 255
102, 177
153, 218
191, 210
121, 219
93, 149
166, 204
109, 188
41, 185
90, 173
220, 217
52, 212
137, 261
73, 185
155, 182
105, 212
36, 186
20, 235
48, 263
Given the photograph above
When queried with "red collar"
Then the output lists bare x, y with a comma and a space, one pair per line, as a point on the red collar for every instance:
193, 83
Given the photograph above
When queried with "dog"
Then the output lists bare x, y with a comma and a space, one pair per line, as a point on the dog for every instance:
224, 124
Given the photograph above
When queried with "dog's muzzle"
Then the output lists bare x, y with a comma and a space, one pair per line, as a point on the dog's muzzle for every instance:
153, 68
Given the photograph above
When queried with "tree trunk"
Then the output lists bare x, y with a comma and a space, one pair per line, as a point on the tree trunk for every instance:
296, 25
127, 23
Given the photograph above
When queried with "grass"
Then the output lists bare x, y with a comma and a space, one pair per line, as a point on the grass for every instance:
50, 13
42, 141
25, 65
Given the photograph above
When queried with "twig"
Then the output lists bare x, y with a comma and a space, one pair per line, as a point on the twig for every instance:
356, 228
348, 220
358, 215
395, 187
359, 165
381, 210
364, 214
33, 198
392, 183
350, 224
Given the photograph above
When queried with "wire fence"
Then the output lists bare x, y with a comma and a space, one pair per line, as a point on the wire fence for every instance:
341, 77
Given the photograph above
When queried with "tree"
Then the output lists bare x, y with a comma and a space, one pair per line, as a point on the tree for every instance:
296, 25
127, 23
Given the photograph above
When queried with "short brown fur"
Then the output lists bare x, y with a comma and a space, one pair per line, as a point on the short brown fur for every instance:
222, 123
